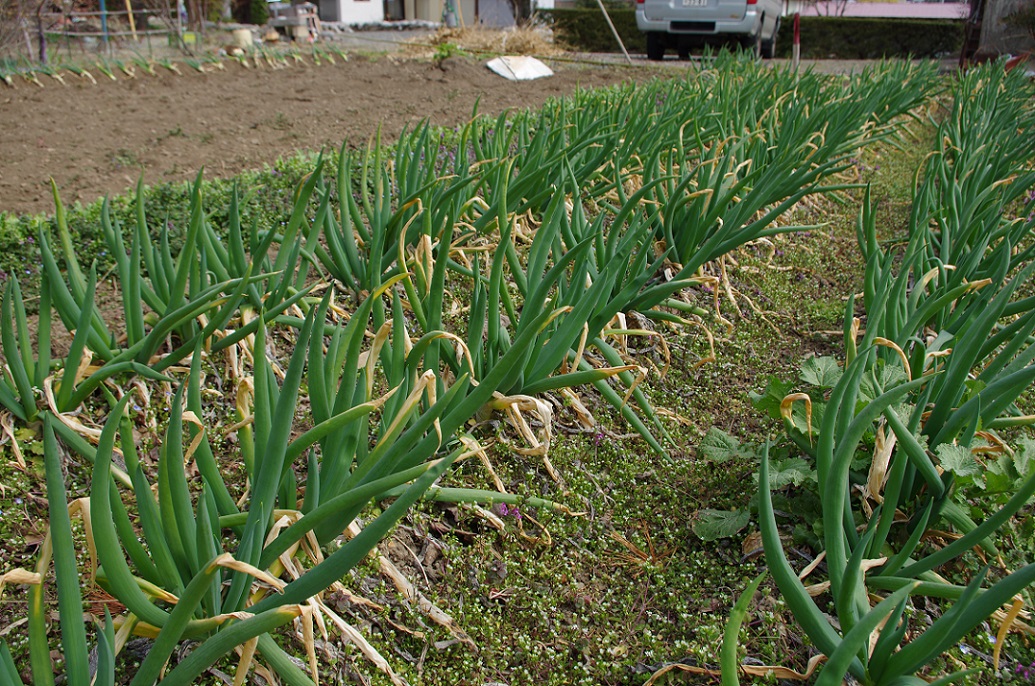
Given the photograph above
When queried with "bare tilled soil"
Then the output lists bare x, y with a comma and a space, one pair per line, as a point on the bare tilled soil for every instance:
97, 139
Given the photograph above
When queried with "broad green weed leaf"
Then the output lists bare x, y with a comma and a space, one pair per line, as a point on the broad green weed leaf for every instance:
800, 420
997, 482
1022, 457
793, 471
884, 377
769, 400
1001, 475
719, 446
958, 460
974, 386
711, 525
820, 371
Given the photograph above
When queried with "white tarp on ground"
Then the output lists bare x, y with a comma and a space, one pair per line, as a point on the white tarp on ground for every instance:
516, 68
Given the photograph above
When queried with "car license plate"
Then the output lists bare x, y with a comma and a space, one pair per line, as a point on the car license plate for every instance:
695, 3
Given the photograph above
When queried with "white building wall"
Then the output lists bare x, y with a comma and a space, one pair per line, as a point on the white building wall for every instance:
496, 13
360, 11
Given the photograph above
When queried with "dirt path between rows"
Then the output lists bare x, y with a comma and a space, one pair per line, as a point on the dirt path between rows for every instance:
97, 139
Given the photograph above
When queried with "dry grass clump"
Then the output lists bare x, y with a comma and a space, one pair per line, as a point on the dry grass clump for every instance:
514, 40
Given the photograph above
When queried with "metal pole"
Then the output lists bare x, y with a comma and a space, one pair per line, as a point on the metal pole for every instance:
796, 46
104, 22
614, 31
132, 21
41, 35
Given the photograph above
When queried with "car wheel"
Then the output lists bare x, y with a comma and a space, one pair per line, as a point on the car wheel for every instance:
655, 46
768, 47
752, 44
768, 50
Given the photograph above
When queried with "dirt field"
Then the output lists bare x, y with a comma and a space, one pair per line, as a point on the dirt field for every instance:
98, 139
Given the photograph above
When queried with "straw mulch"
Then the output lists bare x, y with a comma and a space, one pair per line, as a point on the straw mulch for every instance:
479, 40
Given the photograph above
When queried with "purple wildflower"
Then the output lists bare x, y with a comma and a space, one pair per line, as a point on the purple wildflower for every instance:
505, 511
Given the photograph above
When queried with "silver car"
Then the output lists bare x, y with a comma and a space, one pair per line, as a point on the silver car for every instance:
685, 24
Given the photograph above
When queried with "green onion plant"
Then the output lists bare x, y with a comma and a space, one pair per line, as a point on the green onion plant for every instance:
946, 353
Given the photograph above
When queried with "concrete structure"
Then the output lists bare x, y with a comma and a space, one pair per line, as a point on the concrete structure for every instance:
495, 13
352, 11
467, 12
996, 37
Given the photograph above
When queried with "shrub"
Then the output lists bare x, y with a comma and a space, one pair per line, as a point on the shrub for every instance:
821, 37
258, 12
858, 38
586, 29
